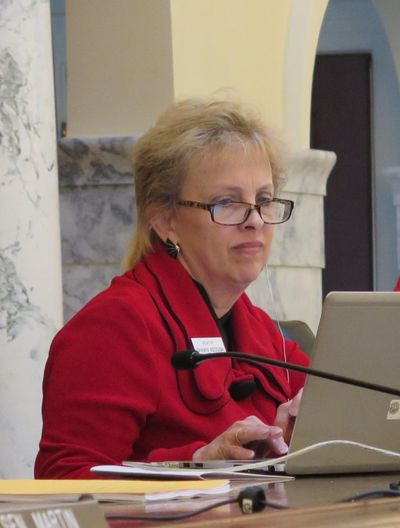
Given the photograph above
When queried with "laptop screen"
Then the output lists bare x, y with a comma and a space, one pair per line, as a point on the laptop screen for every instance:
359, 337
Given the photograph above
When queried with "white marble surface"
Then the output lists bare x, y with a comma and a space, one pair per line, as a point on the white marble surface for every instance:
295, 293
30, 264
300, 241
97, 214
96, 223
308, 171
82, 282
95, 161
298, 251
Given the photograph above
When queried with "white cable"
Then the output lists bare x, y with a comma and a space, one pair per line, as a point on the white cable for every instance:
275, 316
312, 447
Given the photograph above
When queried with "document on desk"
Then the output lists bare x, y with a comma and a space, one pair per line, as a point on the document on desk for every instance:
107, 490
150, 471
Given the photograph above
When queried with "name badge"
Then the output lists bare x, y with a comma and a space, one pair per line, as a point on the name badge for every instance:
394, 410
208, 345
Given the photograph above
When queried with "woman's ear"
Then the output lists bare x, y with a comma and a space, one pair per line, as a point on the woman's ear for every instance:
159, 221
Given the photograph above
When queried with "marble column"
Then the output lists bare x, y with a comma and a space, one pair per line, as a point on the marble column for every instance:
97, 214
30, 263
291, 285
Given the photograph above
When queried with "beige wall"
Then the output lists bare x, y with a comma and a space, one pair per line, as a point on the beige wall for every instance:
119, 65
305, 22
262, 51
128, 59
231, 44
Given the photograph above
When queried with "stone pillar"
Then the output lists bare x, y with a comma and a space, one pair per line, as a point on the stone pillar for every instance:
30, 263
97, 214
298, 251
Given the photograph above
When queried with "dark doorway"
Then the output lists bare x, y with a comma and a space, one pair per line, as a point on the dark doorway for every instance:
341, 122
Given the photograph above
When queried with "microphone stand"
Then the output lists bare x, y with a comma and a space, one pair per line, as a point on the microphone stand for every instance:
190, 359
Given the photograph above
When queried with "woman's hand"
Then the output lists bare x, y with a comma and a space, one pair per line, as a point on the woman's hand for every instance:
286, 415
246, 439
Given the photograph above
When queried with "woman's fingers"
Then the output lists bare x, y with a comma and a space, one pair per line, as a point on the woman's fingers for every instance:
295, 404
252, 438
245, 439
263, 440
286, 415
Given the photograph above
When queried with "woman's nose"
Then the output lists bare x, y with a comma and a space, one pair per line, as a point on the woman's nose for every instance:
253, 219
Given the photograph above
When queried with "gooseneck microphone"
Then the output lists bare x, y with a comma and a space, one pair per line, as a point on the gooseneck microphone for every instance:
190, 359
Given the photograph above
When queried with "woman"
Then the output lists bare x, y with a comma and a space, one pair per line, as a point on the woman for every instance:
207, 177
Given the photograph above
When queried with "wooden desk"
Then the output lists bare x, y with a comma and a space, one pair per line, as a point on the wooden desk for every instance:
313, 499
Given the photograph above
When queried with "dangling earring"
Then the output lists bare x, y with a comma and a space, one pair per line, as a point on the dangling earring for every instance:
172, 249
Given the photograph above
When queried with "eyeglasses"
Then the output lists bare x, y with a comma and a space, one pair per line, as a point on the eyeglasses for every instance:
229, 213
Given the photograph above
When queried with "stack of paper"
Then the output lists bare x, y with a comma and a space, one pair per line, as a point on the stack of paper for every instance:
107, 490
147, 471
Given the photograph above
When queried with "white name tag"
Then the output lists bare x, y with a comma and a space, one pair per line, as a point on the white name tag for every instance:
208, 345
394, 410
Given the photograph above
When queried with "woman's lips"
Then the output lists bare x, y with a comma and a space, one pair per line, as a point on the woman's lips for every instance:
249, 248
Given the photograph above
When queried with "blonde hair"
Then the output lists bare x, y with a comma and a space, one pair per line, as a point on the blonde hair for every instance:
187, 133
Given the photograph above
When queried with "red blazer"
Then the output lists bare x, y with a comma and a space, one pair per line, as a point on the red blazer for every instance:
111, 394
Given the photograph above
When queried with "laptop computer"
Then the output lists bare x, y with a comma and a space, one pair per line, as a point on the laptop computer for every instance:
358, 337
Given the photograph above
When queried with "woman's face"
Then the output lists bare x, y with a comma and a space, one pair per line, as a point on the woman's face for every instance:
224, 259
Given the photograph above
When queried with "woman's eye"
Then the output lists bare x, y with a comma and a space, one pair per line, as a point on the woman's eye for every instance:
263, 199
223, 201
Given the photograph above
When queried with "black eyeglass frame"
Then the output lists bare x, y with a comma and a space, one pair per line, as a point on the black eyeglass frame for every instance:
250, 207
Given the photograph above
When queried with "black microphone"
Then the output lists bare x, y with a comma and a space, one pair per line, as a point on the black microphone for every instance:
190, 359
